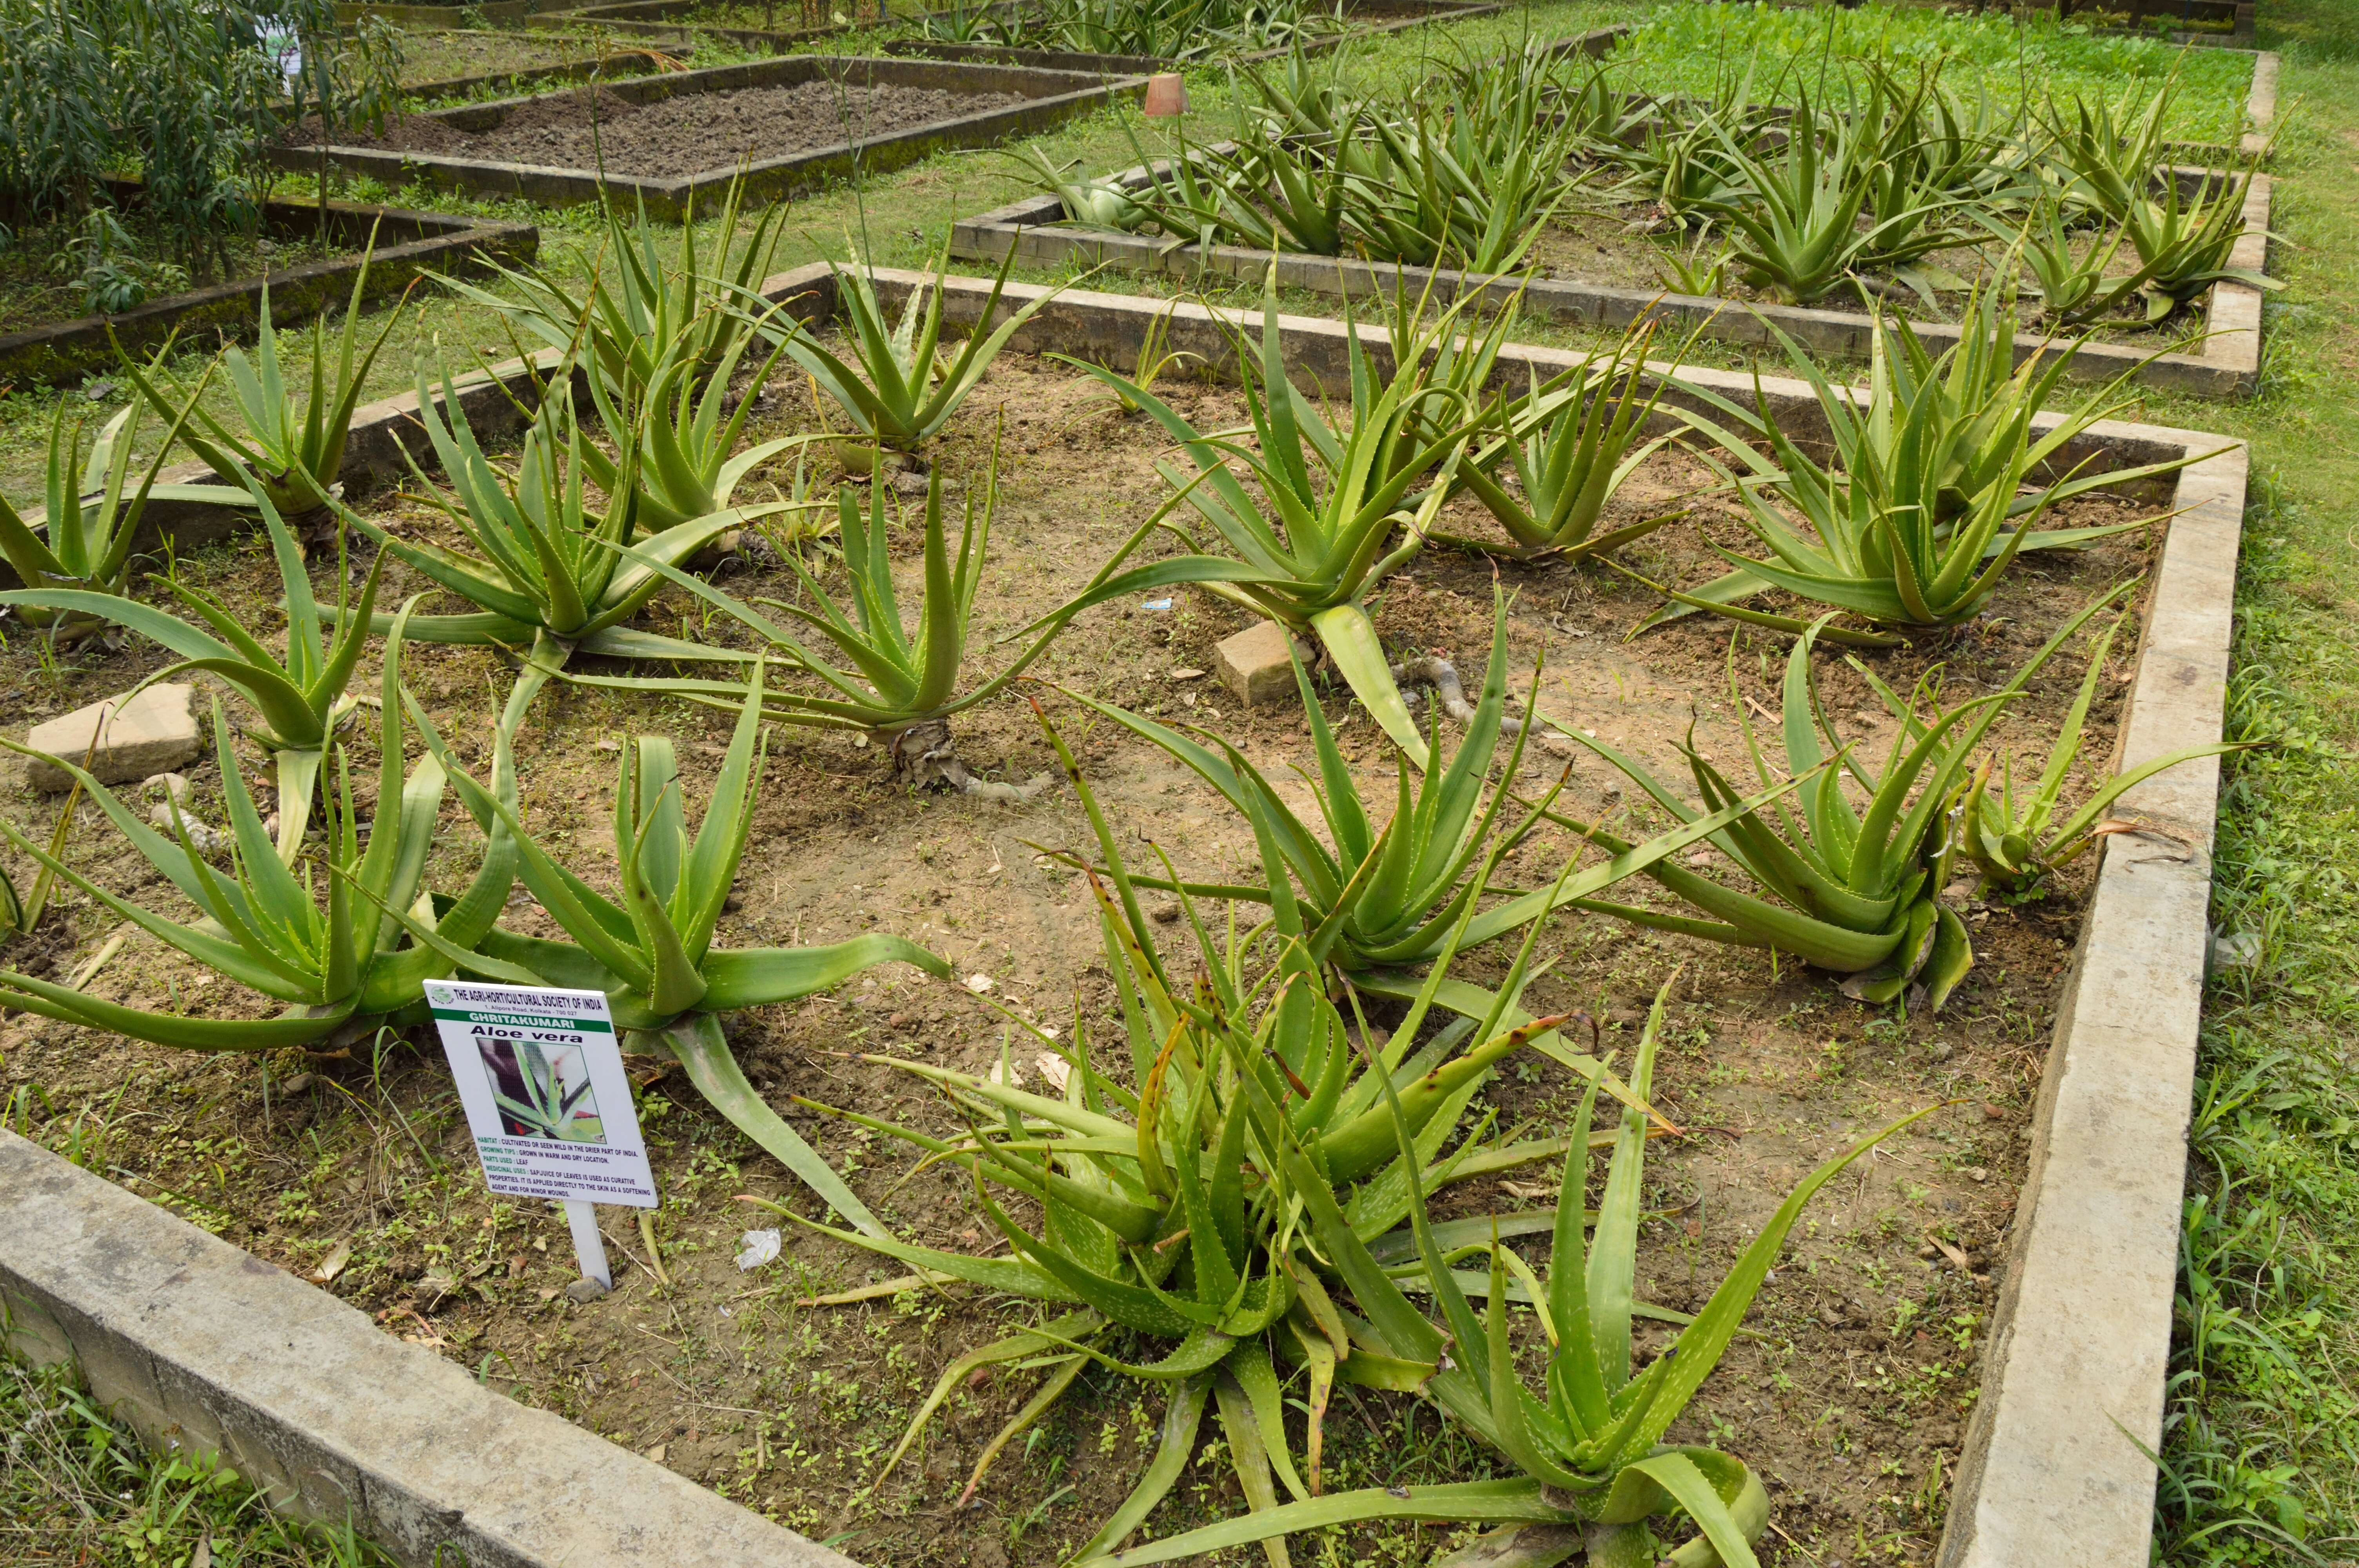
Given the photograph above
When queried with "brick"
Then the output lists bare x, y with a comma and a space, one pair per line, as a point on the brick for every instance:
1254, 664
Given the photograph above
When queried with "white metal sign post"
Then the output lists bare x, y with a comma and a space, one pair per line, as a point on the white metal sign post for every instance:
540, 1071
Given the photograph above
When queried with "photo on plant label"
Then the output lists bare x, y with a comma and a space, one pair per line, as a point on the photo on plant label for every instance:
541, 1094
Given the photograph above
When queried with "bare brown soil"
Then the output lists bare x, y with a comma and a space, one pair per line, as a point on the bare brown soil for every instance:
590, 127
1849, 1396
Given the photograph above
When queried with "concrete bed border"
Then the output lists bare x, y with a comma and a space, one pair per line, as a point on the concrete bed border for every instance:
1051, 97
2226, 364
1405, 15
418, 242
201, 1346
2078, 1349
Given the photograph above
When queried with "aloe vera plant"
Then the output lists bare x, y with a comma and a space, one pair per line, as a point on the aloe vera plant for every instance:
652, 952
1935, 489
1167, 1215
1797, 227
546, 572
293, 451
2109, 159
1103, 202
2018, 841
644, 309
874, 673
89, 523
1320, 537
2074, 289
300, 696
686, 434
2185, 240
898, 387
1398, 894
262, 926
1590, 1444
1855, 891
1569, 449
1473, 188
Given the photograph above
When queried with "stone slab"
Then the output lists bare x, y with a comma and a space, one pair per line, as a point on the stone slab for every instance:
200, 1343
154, 733
2073, 1373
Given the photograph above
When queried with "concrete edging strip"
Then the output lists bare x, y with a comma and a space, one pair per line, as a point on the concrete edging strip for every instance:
2080, 1350
200, 1345
2074, 1366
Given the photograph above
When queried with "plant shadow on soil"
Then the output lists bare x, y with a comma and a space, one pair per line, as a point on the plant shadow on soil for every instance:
1849, 1394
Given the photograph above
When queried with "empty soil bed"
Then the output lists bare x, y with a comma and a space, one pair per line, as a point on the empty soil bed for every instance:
1862, 1358
590, 128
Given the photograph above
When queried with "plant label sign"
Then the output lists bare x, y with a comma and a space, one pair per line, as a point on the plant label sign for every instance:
541, 1073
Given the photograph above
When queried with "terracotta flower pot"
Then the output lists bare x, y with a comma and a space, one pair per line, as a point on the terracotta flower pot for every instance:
1166, 96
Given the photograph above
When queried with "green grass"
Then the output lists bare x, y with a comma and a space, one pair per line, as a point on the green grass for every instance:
2262, 1451
76, 1486
1688, 48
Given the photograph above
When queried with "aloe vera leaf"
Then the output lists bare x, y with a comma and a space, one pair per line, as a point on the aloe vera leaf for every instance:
697, 1042
1505, 1502
1174, 1448
1351, 639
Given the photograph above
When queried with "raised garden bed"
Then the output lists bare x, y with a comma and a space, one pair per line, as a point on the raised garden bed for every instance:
1368, 18
433, 55
1853, 1399
1571, 255
407, 243
2226, 364
666, 138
